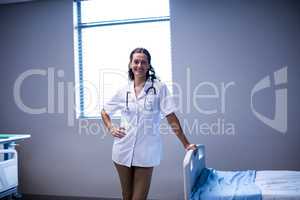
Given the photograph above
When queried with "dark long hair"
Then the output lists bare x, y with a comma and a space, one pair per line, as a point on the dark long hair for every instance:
150, 73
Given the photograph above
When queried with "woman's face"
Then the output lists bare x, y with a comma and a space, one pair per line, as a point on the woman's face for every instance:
139, 65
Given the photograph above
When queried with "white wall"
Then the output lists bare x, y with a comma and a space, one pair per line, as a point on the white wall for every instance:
240, 42
57, 160
220, 42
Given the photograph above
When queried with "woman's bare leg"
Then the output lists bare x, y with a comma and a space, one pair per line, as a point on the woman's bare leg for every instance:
141, 182
126, 180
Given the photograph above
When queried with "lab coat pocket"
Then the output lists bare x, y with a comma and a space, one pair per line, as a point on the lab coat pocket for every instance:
151, 104
151, 117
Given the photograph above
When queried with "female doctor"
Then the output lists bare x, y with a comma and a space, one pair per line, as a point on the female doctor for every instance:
137, 144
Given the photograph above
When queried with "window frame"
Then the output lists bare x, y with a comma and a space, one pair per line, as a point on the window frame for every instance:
78, 28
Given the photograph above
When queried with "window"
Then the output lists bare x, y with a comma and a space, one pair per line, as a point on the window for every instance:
105, 34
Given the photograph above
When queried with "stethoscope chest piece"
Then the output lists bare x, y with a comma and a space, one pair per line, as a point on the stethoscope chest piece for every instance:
149, 99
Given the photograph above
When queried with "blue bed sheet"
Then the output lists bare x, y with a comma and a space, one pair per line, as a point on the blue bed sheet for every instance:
226, 185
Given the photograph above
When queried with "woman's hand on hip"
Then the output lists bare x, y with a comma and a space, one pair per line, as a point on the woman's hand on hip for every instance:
118, 132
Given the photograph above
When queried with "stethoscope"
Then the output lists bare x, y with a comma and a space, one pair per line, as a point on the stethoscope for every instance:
149, 99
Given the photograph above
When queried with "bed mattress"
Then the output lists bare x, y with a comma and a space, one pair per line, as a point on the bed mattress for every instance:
279, 185
247, 185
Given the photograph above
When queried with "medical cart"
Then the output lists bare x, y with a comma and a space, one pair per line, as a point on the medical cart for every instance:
9, 164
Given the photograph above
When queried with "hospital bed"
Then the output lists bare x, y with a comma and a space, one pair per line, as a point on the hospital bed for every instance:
201, 182
9, 164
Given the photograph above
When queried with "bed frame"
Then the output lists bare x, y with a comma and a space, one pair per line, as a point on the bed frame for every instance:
193, 163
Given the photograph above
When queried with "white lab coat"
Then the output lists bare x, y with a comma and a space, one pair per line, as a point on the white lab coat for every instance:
142, 144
